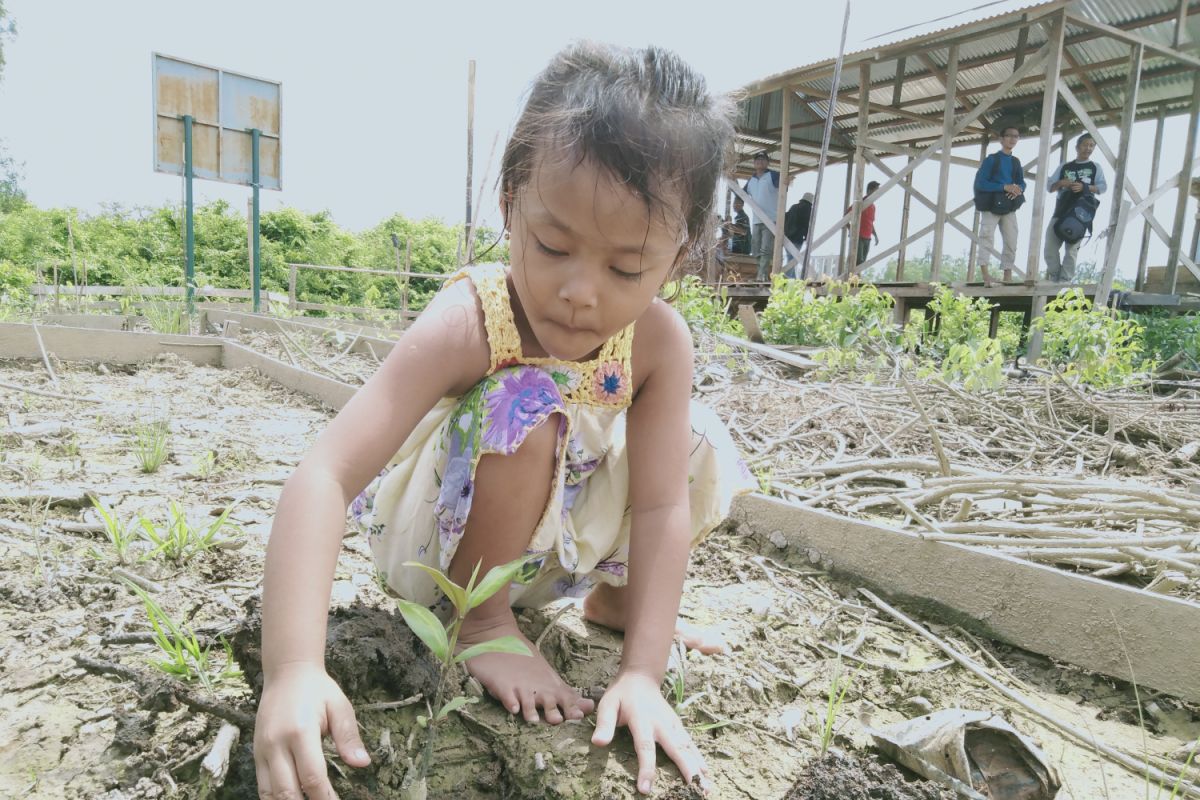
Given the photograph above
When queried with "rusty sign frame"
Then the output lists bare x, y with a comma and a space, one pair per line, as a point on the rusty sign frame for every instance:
225, 106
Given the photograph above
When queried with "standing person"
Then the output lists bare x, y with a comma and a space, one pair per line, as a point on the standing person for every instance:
763, 189
866, 227
795, 228
542, 408
739, 229
1074, 181
999, 191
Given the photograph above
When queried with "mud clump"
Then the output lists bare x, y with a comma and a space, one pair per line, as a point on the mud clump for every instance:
852, 777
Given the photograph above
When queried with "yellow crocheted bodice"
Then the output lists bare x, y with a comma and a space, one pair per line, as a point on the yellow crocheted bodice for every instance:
606, 380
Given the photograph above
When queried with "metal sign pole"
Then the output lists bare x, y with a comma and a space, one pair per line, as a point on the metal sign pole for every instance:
189, 226
256, 268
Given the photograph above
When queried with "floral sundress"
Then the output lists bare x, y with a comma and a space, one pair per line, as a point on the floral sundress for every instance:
417, 509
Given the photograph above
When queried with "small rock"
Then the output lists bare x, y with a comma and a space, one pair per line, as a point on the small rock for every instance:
344, 593
778, 539
814, 556
539, 762
920, 704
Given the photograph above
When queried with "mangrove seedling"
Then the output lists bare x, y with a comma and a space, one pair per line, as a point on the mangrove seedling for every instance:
442, 640
184, 657
151, 444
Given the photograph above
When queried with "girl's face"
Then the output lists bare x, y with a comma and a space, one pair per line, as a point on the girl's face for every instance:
587, 256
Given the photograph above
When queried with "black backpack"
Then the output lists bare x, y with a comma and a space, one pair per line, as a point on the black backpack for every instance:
999, 202
1075, 222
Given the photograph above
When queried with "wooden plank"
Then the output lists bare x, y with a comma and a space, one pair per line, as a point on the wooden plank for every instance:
103, 322
1085, 621
1045, 132
1143, 253
977, 218
860, 169
1117, 218
17, 340
334, 394
261, 322
1189, 156
44, 290
785, 166
799, 362
939, 226
900, 150
904, 223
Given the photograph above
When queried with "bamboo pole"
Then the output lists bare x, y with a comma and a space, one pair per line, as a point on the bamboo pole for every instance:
469, 224
978, 217
860, 169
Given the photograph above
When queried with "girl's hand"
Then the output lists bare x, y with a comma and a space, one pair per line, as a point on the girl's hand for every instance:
634, 700
301, 703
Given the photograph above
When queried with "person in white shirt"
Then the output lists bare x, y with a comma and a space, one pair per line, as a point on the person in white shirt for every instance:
763, 189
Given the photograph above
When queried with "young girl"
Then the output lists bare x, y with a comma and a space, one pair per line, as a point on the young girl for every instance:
539, 409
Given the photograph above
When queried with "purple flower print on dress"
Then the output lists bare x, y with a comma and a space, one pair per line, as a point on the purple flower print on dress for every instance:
573, 586
525, 397
612, 567
454, 501
609, 382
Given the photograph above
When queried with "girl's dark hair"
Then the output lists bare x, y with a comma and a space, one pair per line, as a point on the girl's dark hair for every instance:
643, 116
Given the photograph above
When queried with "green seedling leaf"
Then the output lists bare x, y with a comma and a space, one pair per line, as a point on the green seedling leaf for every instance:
422, 720
504, 644
457, 595
498, 578
426, 626
455, 704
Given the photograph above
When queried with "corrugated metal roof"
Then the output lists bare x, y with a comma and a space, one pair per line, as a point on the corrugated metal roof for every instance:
987, 49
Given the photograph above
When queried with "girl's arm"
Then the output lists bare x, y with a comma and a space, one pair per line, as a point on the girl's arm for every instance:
443, 353
658, 438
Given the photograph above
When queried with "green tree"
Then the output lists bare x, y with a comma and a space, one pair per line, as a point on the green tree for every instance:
8, 30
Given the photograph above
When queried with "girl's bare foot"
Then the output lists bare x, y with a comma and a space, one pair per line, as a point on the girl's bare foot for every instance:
605, 605
522, 684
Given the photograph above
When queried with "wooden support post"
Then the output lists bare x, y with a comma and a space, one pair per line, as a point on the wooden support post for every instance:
898, 86
1034, 336
1046, 131
787, 98
469, 223
994, 322
860, 164
291, 288
1185, 181
847, 202
1144, 252
1181, 35
904, 224
939, 227
1117, 220
978, 218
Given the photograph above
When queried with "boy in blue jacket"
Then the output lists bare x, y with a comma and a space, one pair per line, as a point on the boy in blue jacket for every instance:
1001, 173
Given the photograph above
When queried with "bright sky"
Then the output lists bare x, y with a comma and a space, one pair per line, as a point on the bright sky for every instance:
374, 94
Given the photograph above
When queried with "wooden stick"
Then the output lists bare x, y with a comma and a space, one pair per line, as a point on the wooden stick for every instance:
1134, 765
43, 393
943, 461
45, 358
216, 764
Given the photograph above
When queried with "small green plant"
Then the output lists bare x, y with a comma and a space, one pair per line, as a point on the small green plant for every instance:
1165, 334
151, 444
205, 465
166, 317
1095, 346
834, 699
442, 641
1187, 765
119, 535
702, 307
177, 540
848, 316
184, 657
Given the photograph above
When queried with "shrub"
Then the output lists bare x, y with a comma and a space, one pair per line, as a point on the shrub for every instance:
845, 317
703, 308
1096, 346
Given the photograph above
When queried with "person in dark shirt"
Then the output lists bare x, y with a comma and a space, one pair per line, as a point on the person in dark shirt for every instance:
1070, 180
795, 228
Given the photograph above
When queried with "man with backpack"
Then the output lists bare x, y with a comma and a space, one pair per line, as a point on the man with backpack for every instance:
1078, 184
999, 191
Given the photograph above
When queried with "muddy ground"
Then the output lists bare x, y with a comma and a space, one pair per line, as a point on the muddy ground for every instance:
83, 712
